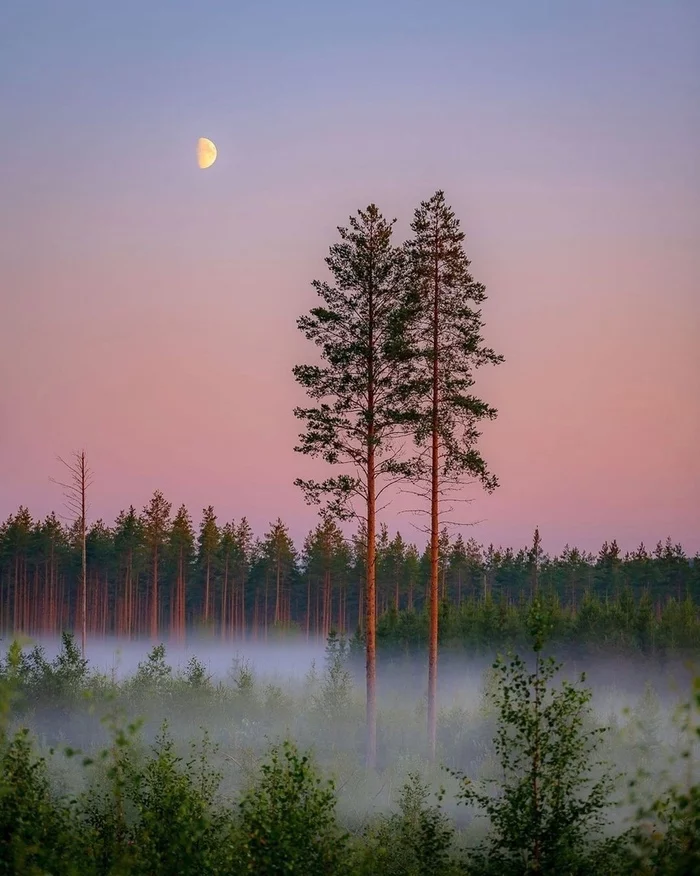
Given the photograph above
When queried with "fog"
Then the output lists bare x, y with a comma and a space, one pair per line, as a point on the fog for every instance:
288, 659
287, 695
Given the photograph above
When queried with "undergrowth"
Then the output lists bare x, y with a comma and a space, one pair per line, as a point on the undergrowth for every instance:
543, 789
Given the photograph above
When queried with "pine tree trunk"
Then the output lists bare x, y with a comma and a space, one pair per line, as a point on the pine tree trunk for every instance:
206, 594
308, 607
267, 610
371, 615
154, 597
84, 554
277, 591
224, 597
434, 535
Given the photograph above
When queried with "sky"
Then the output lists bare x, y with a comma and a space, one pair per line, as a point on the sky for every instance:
148, 308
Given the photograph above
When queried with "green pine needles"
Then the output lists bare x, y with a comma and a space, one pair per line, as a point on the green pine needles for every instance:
360, 385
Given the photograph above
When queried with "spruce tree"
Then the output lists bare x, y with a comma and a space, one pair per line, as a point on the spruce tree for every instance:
358, 388
448, 346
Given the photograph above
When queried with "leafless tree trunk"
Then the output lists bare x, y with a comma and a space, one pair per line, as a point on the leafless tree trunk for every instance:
75, 492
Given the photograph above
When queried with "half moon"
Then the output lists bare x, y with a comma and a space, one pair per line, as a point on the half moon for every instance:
206, 153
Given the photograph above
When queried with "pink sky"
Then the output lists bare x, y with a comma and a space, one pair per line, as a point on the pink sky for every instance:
148, 308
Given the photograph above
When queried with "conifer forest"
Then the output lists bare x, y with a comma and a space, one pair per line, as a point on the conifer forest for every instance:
224, 579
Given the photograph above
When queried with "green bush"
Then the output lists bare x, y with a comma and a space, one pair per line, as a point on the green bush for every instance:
415, 841
547, 808
36, 829
288, 823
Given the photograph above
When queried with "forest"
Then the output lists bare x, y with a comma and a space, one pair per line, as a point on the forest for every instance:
224, 579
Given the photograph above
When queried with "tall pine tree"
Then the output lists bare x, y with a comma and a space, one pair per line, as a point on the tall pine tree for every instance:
359, 393
448, 346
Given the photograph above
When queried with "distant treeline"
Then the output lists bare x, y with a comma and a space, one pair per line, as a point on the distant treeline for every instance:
225, 579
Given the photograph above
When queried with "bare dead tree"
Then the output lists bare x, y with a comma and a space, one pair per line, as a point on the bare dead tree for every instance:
75, 492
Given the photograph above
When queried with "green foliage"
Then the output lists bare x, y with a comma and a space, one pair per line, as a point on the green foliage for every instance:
156, 815
668, 840
337, 683
196, 674
639, 602
445, 328
416, 841
288, 823
177, 828
62, 679
139, 807
243, 679
154, 674
360, 385
549, 807
35, 828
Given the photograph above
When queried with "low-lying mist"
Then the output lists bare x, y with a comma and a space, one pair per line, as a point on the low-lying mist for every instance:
229, 706
248, 695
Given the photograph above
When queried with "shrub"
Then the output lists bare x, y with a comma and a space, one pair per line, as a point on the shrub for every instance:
668, 841
415, 841
153, 674
288, 821
35, 827
548, 808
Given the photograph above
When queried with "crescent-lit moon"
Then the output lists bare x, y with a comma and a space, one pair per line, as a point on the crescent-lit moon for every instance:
206, 153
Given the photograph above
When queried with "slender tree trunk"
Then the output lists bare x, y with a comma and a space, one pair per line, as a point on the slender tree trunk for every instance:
277, 591
308, 606
83, 533
224, 597
434, 534
317, 628
371, 614
154, 597
267, 608
206, 593
130, 598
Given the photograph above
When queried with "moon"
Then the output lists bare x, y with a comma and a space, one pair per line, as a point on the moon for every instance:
206, 153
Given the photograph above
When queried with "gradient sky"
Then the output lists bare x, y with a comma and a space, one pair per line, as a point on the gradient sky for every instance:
147, 308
